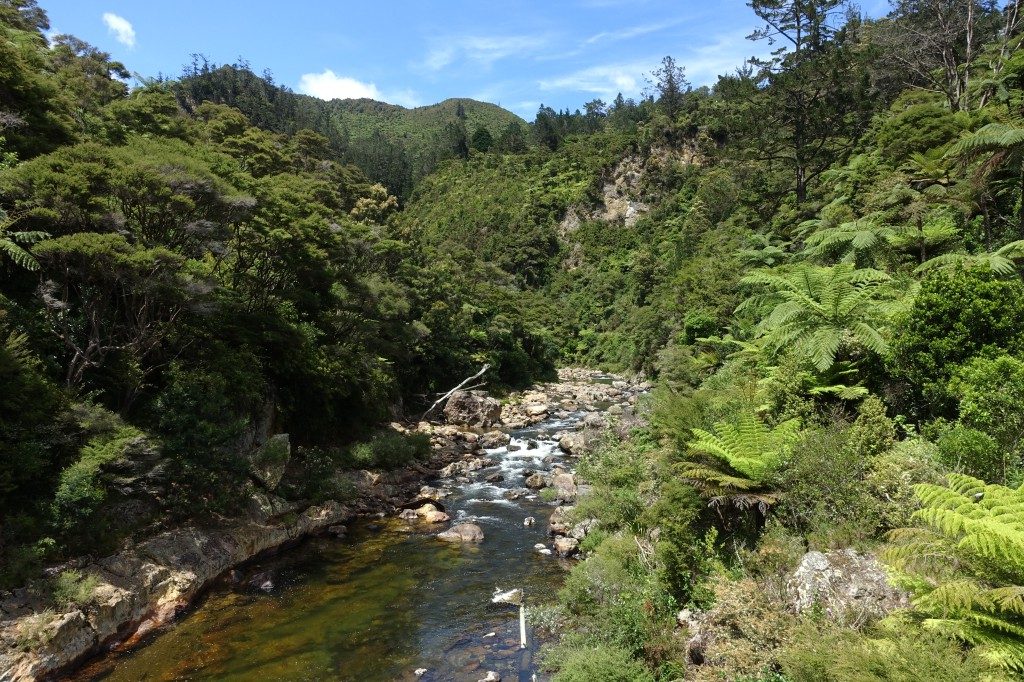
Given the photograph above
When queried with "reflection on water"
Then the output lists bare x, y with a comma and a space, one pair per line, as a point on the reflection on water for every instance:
387, 600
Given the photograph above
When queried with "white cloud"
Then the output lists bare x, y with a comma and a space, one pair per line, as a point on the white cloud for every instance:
120, 28
606, 80
631, 32
329, 85
483, 51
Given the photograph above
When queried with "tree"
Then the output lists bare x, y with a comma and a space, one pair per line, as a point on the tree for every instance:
956, 316
512, 140
483, 140
735, 464
1003, 145
964, 564
813, 101
107, 299
819, 313
671, 84
930, 44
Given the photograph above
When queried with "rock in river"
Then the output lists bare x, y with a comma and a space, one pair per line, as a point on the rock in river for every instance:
472, 408
463, 532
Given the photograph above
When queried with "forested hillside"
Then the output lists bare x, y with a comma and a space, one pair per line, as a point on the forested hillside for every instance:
394, 146
818, 260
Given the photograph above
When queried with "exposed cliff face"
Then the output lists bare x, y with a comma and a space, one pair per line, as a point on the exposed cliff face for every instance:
626, 195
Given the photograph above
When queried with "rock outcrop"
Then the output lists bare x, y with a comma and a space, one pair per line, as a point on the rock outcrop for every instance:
845, 585
472, 408
143, 587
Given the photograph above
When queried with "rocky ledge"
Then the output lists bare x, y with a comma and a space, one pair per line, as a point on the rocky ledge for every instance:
143, 587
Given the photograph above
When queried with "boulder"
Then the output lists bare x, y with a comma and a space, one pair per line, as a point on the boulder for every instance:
536, 410
566, 546
495, 478
565, 487
472, 408
463, 532
583, 528
435, 517
494, 439
615, 410
516, 493
432, 493
845, 585
269, 461
537, 481
452, 470
558, 524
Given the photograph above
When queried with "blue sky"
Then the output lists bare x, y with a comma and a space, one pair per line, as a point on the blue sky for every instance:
517, 53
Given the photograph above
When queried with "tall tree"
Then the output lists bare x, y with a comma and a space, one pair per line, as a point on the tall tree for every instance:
809, 106
671, 84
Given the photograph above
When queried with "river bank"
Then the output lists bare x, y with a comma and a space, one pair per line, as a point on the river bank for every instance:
147, 586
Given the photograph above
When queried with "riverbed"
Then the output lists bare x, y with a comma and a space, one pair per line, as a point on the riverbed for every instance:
386, 601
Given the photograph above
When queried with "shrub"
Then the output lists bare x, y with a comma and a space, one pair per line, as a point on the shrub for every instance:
991, 395
970, 451
826, 498
600, 664
72, 587
80, 491
820, 652
387, 450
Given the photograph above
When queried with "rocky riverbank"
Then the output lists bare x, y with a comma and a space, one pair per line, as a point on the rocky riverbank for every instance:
149, 584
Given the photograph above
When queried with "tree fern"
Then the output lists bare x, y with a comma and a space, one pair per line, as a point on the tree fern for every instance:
817, 312
736, 462
1002, 262
11, 243
964, 563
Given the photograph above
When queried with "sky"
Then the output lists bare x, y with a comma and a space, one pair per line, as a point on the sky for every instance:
515, 53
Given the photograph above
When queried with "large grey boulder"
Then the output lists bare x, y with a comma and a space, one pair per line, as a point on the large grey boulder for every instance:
472, 408
845, 585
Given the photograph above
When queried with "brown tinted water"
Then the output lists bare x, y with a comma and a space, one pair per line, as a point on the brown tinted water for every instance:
385, 601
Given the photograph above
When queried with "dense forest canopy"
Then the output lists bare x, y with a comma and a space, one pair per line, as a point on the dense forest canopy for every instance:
818, 258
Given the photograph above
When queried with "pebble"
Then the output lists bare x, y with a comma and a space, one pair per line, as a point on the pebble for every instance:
529, 521
420, 672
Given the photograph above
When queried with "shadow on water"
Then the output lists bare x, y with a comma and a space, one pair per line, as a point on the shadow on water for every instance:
387, 600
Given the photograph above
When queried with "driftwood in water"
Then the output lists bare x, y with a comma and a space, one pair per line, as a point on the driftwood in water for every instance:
449, 393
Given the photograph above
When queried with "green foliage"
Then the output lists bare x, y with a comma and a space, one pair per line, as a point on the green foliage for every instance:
822, 312
825, 653
598, 664
955, 317
80, 492
71, 587
735, 464
964, 562
990, 392
972, 452
388, 450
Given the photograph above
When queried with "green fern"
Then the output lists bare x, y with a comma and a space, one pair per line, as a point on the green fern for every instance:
1002, 262
12, 243
817, 312
735, 464
964, 563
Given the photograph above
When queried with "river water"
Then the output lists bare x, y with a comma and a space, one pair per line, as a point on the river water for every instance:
388, 599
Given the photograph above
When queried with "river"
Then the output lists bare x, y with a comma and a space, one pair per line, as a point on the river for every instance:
380, 604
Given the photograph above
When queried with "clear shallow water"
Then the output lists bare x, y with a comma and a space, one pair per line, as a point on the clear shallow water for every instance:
386, 600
